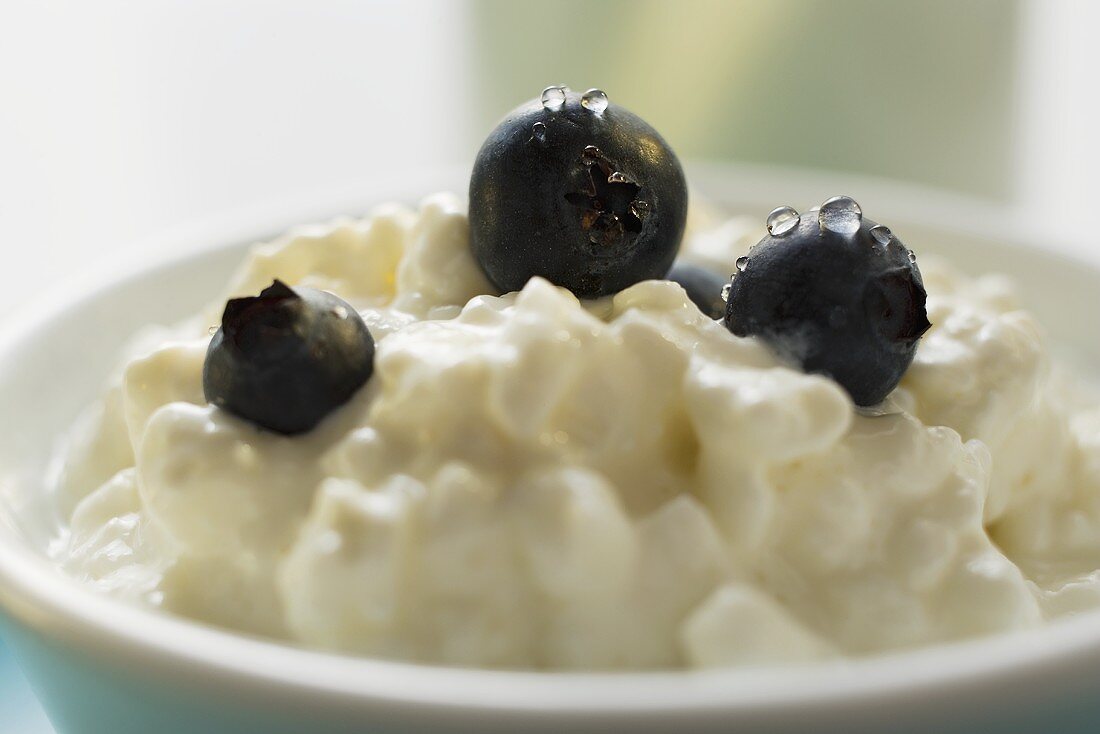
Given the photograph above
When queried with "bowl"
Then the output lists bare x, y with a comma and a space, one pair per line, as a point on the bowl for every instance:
100, 665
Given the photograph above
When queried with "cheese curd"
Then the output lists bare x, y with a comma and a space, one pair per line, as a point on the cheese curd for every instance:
530, 481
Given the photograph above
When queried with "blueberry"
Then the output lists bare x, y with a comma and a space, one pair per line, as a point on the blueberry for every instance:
703, 286
834, 294
578, 191
287, 358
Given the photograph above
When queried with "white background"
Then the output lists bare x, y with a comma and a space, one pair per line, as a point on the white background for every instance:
121, 119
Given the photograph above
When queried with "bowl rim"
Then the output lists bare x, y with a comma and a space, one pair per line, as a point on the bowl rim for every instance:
65, 611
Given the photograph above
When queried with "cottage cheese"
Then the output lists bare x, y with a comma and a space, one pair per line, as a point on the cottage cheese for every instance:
531, 481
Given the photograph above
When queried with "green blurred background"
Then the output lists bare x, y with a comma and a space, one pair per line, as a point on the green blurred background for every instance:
920, 91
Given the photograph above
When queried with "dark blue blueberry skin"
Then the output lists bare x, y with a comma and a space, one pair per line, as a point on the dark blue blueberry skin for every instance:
703, 286
287, 358
836, 304
542, 204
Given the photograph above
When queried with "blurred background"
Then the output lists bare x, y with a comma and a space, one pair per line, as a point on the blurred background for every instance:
123, 119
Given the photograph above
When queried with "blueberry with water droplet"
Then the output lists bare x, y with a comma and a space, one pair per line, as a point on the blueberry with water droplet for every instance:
595, 202
287, 358
830, 298
703, 287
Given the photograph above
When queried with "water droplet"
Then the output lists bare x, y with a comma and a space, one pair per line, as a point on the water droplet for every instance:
340, 312
882, 234
538, 131
912, 256
594, 100
742, 263
726, 292
590, 155
618, 177
212, 330
840, 214
553, 98
782, 220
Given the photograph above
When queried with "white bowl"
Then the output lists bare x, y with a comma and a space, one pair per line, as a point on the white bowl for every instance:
102, 666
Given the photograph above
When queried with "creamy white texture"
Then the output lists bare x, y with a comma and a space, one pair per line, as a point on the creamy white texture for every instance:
531, 481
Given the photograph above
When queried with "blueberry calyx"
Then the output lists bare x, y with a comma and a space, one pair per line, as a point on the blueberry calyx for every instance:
254, 325
905, 325
609, 202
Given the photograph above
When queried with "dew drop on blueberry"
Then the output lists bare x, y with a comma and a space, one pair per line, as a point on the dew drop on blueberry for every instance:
882, 234
782, 220
538, 132
553, 98
595, 100
840, 214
